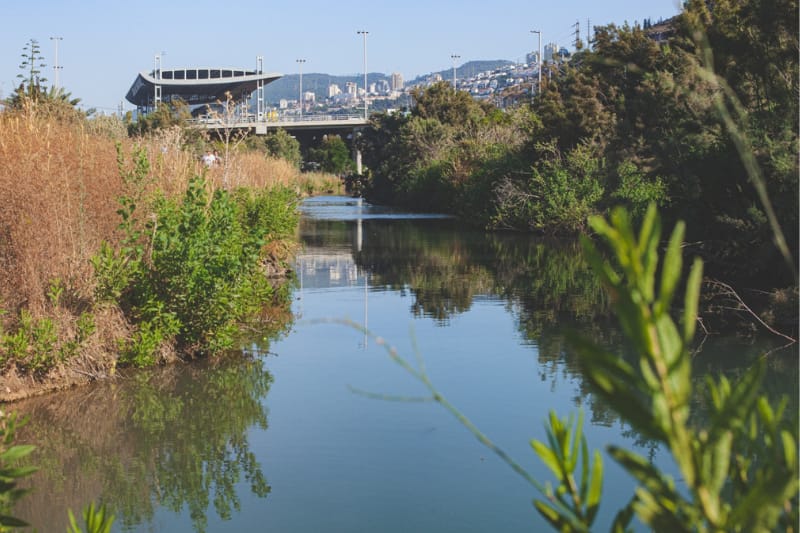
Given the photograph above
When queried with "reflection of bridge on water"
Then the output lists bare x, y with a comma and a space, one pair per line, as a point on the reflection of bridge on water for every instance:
324, 268
319, 270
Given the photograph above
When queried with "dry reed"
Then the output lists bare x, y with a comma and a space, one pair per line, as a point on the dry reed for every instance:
60, 184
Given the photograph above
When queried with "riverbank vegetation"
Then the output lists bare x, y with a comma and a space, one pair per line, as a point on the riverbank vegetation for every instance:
627, 121
128, 251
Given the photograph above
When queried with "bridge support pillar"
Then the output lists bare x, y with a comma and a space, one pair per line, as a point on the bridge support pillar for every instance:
356, 151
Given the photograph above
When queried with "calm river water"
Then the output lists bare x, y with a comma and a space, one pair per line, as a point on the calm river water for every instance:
292, 438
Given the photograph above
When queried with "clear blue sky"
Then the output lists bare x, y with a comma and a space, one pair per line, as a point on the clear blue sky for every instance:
105, 44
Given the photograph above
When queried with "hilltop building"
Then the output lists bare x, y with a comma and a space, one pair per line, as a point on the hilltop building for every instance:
550, 52
397, 81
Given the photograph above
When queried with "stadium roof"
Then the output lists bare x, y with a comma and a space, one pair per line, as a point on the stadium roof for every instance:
196, 85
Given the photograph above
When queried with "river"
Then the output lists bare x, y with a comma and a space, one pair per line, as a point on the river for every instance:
318, 429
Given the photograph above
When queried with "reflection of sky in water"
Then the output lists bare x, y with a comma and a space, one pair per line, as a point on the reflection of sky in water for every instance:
342, 208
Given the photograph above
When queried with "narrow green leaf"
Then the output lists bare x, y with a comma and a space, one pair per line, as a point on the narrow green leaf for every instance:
584, 487
736, 406
719, 463
623, 518
17, 473
648, 475
558, 521
11, 521
647, 249
691, 300
607, 275
576, 435
789, 450
671, 271
17, 452
73, 523
595, 488
547, 457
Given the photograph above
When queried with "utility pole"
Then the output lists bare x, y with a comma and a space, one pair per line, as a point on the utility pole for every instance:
300, 63
577, 34
454, 57
539, 59
364, 33
259, 89
56, 68
588, 33
157, 77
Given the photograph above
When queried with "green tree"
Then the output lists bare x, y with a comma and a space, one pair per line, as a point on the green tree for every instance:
332, 155
454, 108
34, 95
279, 144
166, 114
32, 81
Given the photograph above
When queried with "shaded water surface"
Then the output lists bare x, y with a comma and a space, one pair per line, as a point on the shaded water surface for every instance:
285, 438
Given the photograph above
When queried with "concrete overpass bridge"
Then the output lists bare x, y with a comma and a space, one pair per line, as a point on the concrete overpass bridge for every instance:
290, 123
225, 94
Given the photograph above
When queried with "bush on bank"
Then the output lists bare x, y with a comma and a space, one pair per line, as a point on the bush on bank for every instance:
66, 240
189, 272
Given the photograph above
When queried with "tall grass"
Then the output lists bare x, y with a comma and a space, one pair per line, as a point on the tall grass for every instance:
60, 184
59, 188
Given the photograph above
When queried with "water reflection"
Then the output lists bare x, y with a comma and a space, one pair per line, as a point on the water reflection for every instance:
493, 314
175, 438
546, 285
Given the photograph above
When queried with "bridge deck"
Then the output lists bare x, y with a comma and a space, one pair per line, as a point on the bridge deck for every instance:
284, 122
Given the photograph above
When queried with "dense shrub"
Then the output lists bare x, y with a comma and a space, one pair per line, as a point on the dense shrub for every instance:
190, 272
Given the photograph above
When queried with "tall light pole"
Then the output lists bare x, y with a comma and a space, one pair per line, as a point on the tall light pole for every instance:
364, 33
454, 57
55, 63
539, 58
157, 77
300, 63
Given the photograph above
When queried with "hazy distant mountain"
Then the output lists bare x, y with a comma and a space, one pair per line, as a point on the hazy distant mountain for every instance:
467, 70
288, 86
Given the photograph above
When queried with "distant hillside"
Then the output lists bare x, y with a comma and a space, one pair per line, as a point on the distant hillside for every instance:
288, 87
467, 70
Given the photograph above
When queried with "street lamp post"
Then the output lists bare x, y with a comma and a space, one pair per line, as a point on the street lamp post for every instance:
539, 59
300, 63
454, 57
364, 34
55, 63
157, 77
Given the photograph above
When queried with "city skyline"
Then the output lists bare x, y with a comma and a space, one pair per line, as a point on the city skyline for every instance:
102, 48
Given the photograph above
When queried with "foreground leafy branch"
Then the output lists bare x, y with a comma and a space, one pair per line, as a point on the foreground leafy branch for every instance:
738, 468
11, 473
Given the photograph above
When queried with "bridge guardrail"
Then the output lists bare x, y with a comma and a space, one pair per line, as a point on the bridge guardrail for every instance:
252, 119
